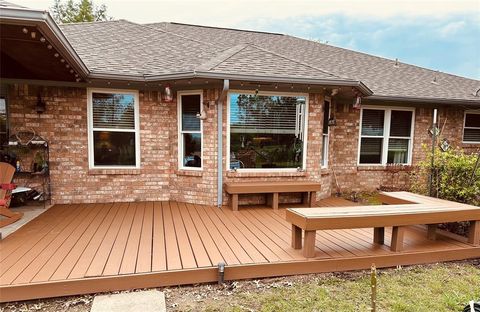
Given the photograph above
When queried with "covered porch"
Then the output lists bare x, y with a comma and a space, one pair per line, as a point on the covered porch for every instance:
87, 248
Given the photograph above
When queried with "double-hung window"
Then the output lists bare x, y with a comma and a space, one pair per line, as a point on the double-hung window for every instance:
471, 128
266, 131
326, 118
386, 135
190, 130
113, 120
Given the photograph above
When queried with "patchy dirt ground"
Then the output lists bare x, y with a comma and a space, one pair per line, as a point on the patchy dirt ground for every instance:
266, 294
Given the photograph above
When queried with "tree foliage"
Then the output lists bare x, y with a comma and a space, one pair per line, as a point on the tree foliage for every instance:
453, 176
82, 11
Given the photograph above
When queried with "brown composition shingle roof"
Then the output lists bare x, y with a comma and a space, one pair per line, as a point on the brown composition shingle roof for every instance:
122, 47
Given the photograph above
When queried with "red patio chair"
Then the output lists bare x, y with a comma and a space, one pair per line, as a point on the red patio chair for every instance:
6, 186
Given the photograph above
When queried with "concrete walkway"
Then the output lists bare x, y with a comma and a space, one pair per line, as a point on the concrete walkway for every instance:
140, 301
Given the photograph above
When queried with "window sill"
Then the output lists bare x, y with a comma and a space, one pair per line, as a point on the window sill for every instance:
250, 174
133, 171
189, 173
383, 168
325, 171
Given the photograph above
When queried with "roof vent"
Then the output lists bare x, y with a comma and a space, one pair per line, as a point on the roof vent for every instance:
434, 81
477, 93
396, 62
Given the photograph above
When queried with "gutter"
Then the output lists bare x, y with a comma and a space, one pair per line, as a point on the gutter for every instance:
221, 98
209, 75
423, 100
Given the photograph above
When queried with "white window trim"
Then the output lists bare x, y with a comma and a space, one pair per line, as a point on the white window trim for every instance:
180, 132
326, 135
386, 133
305, 134
90, 92
464, 121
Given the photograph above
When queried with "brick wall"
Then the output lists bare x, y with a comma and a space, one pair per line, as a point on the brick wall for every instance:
344, 147
64, 125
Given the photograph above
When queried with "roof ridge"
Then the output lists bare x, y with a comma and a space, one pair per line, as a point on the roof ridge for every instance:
380, 57
299, 62
97, 22
221, 57
217, 27
173, 33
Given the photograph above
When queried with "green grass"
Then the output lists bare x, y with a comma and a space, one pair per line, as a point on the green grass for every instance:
442, 287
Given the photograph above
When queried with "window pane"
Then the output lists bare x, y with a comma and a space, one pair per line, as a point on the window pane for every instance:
114, 148
372, 122
115, 111
472, 120
250, 150
371, 150
325, 150
266, 131
471, 135
401, 123
192, 150
397, 151
190, 109
326, 115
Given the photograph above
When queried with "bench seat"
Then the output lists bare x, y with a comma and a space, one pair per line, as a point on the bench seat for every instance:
378, 217
272, 189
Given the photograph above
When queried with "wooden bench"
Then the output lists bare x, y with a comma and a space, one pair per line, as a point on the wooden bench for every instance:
379, 216
272, 189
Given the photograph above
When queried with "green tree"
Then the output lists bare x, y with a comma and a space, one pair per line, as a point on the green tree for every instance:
82, 11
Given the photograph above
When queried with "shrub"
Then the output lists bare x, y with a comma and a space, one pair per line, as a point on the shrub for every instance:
453, 176
453, 179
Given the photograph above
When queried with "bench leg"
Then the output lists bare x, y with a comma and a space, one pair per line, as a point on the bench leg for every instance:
313, 199
306, 198
379, 235
309, 244
235, 202
432, 231
296, 237
474, 233
275, 201
398, 232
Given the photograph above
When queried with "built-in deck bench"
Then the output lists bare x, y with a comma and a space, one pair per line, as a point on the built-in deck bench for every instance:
426, 211
272, 189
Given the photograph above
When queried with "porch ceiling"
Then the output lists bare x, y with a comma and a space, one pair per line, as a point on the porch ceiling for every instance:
24, 56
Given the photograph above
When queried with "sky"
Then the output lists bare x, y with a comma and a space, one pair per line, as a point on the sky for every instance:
441, 35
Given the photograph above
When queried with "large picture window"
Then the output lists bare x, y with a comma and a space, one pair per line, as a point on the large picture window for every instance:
266, 131
190, 130
386, 136
113, 129
471, 128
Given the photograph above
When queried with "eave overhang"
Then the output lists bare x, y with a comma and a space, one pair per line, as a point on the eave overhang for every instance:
49, 29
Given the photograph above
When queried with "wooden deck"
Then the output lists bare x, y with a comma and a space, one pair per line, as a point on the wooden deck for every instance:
86, 248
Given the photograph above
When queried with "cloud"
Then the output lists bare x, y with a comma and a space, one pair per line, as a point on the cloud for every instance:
452, 28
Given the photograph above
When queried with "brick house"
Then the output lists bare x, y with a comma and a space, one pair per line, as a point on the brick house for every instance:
166, 111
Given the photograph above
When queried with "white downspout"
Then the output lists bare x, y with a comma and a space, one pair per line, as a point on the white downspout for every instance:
221, 98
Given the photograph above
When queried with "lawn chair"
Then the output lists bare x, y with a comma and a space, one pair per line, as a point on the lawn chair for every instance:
6, 215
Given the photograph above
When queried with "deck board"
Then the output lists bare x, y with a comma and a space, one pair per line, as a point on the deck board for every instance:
76, 249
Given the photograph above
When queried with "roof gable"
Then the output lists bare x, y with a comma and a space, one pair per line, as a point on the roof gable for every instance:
248, 59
